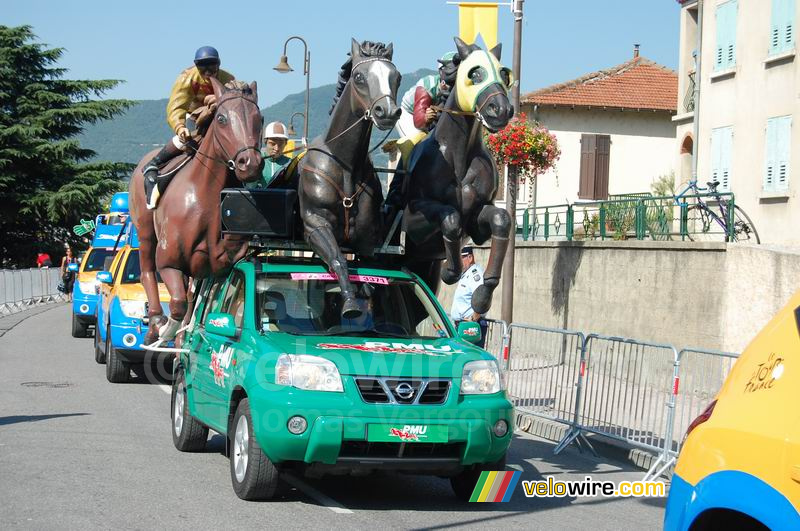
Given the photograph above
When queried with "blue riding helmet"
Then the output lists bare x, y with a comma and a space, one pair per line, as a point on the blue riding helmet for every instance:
206, 54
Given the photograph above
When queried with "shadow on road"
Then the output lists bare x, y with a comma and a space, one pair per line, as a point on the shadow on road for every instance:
16, 419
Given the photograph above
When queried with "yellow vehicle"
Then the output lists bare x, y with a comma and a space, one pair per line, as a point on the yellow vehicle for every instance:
121, 315
740, 464
84, 292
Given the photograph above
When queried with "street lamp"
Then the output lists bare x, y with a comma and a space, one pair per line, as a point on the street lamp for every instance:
291, 130
283, 67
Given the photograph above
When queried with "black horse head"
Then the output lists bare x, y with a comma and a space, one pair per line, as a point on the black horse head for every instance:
482, 85
374, 82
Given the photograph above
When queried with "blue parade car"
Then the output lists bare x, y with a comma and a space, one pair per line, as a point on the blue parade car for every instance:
122, 311
108, 228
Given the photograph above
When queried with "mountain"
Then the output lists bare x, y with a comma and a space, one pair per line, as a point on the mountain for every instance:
127, 138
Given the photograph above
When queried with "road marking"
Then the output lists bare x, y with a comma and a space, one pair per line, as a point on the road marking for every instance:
166, 388
515, 467
310, 491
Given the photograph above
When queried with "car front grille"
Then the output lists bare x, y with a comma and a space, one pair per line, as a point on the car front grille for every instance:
404, 391
365, 449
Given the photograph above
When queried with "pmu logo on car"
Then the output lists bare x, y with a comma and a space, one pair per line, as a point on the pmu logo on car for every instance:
409, 433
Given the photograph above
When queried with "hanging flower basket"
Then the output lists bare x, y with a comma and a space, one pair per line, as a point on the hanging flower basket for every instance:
525, 146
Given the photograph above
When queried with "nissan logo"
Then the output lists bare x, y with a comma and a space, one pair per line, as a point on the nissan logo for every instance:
404, 390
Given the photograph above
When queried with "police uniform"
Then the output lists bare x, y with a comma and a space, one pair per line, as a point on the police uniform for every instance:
462, 300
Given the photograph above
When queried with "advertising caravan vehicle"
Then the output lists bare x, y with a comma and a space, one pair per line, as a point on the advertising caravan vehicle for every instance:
739, 467
108, 229
269, 362
121, 313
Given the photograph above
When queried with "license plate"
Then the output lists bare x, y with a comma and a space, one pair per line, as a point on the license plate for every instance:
411, 433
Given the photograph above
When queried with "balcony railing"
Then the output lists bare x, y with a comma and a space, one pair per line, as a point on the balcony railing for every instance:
688, 100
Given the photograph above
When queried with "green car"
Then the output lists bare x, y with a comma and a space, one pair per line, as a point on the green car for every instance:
270, 363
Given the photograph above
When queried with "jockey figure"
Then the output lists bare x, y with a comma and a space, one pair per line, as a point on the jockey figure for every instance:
417, 120
275, 140
191, 92
418, 116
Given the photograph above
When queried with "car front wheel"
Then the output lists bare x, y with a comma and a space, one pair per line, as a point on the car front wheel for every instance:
117, 371
78, 328
253, 475
188, 435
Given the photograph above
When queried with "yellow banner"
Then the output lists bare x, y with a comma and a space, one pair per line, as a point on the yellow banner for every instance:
475, 19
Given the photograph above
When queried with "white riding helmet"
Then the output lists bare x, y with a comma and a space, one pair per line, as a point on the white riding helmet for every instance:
275, 130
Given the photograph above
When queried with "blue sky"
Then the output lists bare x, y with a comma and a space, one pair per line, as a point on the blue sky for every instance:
144, 42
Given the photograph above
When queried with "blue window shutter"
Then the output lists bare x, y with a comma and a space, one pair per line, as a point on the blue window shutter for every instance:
725, 155
781, 35
783, 150
732, 12
770, 162
726, 36
715, 154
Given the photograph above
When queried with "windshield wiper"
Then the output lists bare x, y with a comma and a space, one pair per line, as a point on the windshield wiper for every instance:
378, 333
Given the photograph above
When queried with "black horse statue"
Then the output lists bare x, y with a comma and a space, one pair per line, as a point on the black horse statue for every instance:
339, 193
452, 180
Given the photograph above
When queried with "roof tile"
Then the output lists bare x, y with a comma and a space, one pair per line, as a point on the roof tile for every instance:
635, 84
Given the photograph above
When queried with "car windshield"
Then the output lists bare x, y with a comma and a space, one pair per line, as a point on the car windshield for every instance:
96, 261
132, 273
310, 304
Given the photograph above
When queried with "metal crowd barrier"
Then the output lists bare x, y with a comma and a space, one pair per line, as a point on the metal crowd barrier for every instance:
23, 288
641, 393
497, 340
543, 373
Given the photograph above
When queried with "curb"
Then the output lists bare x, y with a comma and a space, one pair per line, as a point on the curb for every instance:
604, 446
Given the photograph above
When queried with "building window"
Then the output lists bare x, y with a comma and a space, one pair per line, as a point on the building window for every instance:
781, 31
776, 167
721, 151
726, 36
595, 155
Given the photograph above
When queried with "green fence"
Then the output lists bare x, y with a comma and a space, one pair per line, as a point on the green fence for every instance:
633, 217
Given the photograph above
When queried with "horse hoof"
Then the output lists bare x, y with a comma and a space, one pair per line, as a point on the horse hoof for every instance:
156, 322
169, 329
481, 299
351, 309
450, 277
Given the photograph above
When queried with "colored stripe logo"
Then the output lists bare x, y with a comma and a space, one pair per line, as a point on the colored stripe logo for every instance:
495, 486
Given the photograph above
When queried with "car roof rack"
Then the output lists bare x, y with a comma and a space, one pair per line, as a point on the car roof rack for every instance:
269, 218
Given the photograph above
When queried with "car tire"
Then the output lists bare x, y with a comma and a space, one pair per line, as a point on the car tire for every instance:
188, 435
117, 371
99, 353
464, 484
78, 328
253, 475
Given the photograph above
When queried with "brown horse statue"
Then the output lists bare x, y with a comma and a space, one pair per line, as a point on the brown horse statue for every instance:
182, 236
340, 194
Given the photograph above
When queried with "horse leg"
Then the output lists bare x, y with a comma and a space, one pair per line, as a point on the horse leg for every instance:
498, 223
194, 287
176, 285
449, 221
149, 280
320, 237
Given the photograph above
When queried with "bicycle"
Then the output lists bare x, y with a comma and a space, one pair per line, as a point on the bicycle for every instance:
743, 227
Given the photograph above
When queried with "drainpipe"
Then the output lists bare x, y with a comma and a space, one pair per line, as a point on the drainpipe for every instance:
698, 80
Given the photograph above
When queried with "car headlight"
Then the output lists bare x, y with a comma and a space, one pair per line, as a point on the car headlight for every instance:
307, 372
132, 309
481, 377
87, 288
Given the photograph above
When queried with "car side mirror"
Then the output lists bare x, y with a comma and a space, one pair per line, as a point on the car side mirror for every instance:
469, 331
72, 268
105, 277
221, 324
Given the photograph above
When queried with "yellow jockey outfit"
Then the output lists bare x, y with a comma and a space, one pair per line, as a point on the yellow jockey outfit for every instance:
191, 92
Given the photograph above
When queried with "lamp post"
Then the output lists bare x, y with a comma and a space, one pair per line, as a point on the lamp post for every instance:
507, 308
283, 67
291, 130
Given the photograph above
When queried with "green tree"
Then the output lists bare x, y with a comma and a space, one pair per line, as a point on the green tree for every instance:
46, 183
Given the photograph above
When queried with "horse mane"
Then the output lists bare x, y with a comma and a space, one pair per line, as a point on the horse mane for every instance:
366, 49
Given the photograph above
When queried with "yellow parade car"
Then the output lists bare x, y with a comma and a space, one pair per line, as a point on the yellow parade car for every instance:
121, 313
740, 464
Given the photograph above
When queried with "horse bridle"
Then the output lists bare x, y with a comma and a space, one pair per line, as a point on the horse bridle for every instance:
476, 113
230, 162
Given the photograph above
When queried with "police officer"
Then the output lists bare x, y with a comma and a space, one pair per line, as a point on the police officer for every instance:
471, 278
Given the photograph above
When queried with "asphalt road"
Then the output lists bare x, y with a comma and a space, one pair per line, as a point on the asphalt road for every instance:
77, 453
